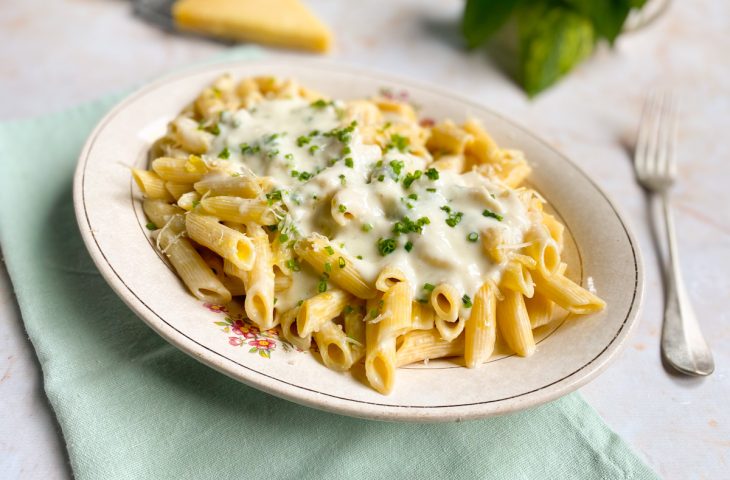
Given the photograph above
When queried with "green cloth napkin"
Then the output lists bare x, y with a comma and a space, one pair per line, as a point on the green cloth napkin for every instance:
132, 406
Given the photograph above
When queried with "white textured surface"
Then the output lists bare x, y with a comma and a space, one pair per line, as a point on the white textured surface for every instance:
55, 55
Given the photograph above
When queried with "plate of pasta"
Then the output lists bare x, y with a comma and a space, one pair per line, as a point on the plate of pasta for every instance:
356, 243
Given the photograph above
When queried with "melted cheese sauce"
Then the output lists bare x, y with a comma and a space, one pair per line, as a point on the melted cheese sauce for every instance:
355, 194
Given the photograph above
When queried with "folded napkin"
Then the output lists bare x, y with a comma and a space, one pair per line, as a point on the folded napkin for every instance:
132, 406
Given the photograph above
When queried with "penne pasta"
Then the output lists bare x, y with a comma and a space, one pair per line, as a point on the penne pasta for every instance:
289, 330
192, 269
424, 345
226, 242
151, 185
318, 251
239, 210
480, 331
320, 309
514, 323
244, 186
568, 294
334, 347
260, 285
388, 277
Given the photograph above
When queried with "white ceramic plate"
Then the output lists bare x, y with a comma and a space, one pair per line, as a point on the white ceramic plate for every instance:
601, 251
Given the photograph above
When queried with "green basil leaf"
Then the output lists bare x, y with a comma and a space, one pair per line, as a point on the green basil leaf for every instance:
553, 40
607, 16
482, 18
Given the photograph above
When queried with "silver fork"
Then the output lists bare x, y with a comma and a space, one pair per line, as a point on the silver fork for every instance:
682, 343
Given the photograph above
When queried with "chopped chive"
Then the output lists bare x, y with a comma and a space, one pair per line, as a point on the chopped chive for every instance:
399, 142
327, 267
491, 214
432, 190
386, 246
473, 237
432, 174
299, 303
348, 309
408, 246
374, 313
342, 208
320, 103
341, 262
322, 286
196, 203
293, 265
429, 287
411, 177
359, 257
225, 154
367, 227
397, 166
289, 156
313, 149
283, 238
329, 250
343, 180
349, 163
413, 196
466, 301
151, 226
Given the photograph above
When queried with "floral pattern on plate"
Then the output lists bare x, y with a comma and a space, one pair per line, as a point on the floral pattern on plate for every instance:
241, 333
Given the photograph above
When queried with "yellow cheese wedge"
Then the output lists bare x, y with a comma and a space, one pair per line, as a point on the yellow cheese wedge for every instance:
283, 23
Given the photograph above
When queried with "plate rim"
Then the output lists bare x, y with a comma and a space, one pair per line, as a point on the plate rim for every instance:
326, 401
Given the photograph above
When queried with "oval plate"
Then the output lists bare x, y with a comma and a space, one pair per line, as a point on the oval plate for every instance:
600, 250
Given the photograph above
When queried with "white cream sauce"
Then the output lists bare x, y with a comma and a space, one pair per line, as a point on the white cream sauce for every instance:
297, 145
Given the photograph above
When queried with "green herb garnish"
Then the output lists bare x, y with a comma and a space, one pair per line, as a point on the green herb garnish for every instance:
386, 246
399, 142
397, 166
406, 225
453, 218
322, 285
466, 301
432, 174
293, 265
473, 237
411, 177
321, 103
225, 154
491, 214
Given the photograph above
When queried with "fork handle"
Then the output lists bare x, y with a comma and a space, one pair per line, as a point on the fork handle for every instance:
682, 343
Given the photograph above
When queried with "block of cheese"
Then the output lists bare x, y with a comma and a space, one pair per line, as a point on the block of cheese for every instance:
283, 23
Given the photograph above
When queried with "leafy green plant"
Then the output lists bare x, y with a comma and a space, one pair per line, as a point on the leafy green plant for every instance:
553, 36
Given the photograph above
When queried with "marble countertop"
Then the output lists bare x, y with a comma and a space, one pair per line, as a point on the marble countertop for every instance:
55, 55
